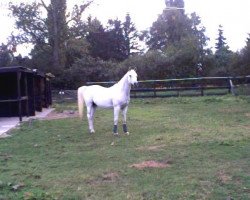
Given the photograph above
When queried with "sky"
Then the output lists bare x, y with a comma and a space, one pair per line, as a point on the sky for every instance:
234, 16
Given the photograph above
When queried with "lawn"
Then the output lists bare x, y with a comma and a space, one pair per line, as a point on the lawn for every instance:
201, 146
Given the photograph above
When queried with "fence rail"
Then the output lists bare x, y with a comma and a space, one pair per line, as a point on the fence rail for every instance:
174, 87
184, 87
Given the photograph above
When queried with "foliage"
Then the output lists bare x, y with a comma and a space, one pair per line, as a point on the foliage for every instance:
77, 50
181, 38
170, 27
131, 36
107, 44
204, 140
244, 64
30, 23
151, 65
221, 40
84, 70
58, 31
6, 56
51, 32
116, 42
223, 56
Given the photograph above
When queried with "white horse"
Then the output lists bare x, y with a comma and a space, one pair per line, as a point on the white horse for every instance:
116, 96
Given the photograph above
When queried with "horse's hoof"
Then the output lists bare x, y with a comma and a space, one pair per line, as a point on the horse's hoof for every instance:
91, 132
126, 133
115, 134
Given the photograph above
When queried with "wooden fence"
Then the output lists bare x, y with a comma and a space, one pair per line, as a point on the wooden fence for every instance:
185, 87
174, 87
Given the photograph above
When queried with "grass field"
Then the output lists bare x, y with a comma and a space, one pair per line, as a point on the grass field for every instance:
202, 144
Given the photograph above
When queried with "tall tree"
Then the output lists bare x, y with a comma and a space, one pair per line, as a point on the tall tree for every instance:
117, 40
99, 40
58, 31
131, 36
180, 37
223, 55
30, 22
6, 56
170, 27
245, 59
175, 4
221, 40
48, 33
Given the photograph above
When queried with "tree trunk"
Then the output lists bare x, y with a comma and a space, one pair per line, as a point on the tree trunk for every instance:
55, 47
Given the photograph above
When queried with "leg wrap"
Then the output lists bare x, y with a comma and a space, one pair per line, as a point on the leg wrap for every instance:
115, 129
125, 129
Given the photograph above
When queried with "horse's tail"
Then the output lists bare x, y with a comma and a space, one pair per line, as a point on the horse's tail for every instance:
80, 100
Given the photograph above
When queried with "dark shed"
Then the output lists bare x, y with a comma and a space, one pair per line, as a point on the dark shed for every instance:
23, 91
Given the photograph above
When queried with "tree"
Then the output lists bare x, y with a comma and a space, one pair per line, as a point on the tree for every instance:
180, 37
117, 41
57, 31
221, 40
30, 23
174, 3
223, 56
244, 65
98, 38
169, 28
50, 32
6, 56
131, 37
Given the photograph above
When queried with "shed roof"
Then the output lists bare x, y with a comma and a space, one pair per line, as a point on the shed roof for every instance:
21, 69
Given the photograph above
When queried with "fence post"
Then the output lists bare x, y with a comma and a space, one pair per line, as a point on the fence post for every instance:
154, 89
178, 90
201, 86
135, 94
231, 87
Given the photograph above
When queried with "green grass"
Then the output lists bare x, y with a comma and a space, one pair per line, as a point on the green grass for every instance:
205, 141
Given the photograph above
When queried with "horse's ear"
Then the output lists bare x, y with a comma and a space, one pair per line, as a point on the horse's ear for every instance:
132, 68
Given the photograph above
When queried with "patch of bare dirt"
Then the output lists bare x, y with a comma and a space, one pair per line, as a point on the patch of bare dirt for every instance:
109, 177
230, 110
62, 115
248, 114
151, 148
150, 164
223, 177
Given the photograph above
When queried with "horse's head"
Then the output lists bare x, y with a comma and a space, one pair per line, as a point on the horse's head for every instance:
132, 77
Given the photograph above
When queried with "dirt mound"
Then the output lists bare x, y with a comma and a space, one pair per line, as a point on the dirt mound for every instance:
223, 177
151, 148
150, 164
109, 177
62, 115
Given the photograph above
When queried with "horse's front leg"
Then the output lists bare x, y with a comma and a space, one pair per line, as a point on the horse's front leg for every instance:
124, 125
90, 115
116, 117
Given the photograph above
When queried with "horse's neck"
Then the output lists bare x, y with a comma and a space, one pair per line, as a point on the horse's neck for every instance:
123, 85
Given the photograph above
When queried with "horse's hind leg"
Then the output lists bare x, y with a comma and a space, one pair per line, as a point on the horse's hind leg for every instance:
124, 125
116, 117
90, 115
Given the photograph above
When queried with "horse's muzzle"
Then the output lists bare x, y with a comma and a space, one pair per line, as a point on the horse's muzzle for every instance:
135, 84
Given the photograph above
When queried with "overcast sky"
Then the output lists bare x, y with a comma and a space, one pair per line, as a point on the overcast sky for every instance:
234, 16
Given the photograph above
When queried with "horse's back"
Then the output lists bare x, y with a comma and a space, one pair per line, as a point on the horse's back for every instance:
97, 90
101, 96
